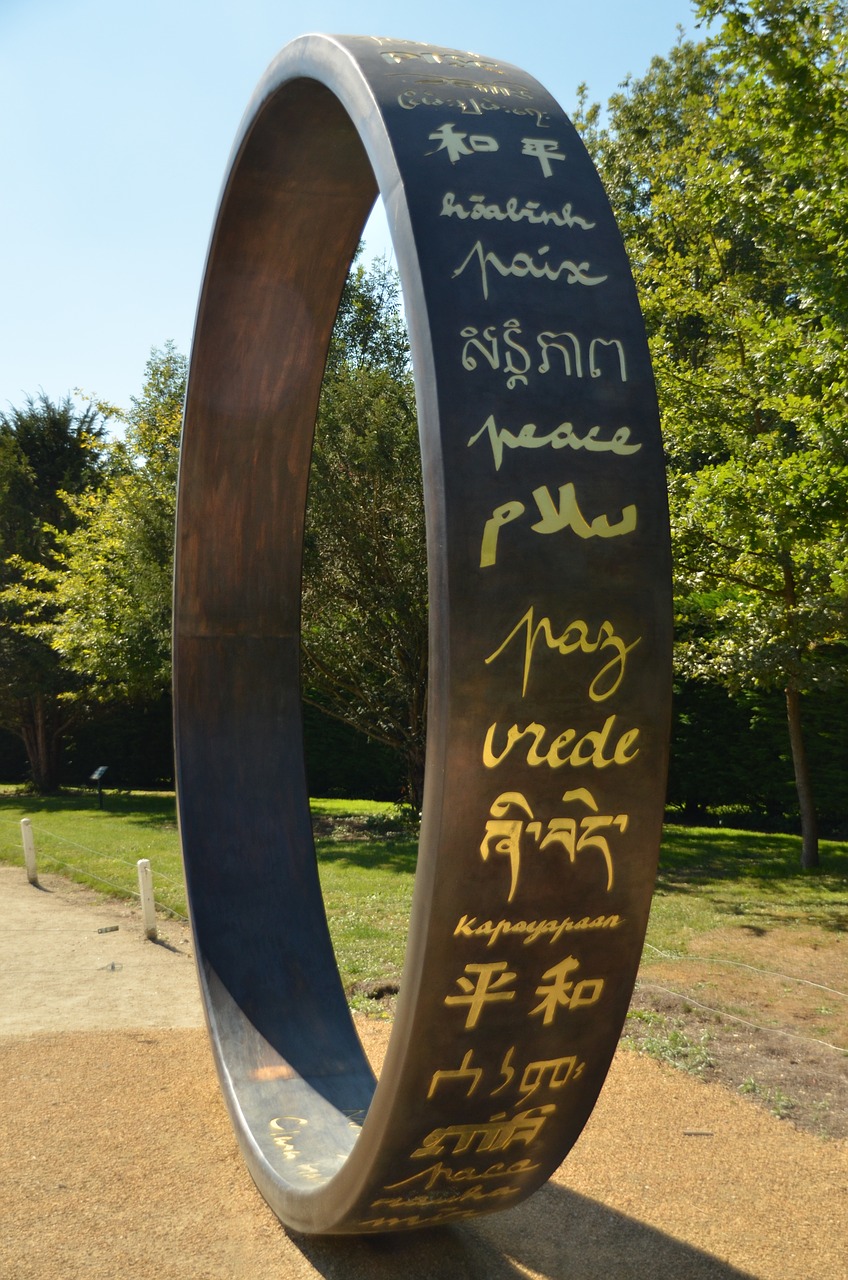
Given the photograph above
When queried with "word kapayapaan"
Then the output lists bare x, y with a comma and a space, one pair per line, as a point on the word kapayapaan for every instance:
531, 930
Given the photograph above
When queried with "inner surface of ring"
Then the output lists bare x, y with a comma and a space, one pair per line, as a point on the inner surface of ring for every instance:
290, 221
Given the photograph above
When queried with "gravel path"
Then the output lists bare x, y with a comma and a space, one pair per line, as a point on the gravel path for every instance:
117, 1161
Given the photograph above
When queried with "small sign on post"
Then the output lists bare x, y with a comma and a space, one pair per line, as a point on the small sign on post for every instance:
97, 777
148, 906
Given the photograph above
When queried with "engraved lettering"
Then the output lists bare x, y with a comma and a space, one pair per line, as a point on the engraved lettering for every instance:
487, 346
512, 211
463, 1071
491, 978
594, 367
544, 150
409, 99
554, 519
440, 1174
504, 833
456, 145
499, 517
531, 930
574, 638
523, 265
560, 751
435, 58
496, 1134
563, 436
473, 1195
548, 339
558, 992
551, 1073
569, 516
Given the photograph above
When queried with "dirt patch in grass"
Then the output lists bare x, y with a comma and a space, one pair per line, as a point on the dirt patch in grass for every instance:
762, 1011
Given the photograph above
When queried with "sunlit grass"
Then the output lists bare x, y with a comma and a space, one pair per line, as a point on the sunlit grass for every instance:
711, 877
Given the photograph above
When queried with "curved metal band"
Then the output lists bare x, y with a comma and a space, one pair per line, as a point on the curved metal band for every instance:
550, 635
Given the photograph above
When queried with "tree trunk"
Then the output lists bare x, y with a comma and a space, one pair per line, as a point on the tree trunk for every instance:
41, 733
803, 784
415, 777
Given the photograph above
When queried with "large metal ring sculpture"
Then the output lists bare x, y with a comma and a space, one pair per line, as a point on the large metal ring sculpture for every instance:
550, 635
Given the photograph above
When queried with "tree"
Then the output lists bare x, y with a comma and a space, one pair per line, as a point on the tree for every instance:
364, 580
727, 167
115, 566
50, 454
364, 588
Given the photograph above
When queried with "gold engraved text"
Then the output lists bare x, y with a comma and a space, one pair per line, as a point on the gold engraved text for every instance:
574, 638
441, 1175
562, 353
445, 59
458, 144
523, 265
409, 99
531, 930
463, 1071
496, 1134
566, 748
512, 211
544, 150
472, 1195
491, 979
504, 832
559, 992
548, 1073
563, 436
284, 1131
553, 520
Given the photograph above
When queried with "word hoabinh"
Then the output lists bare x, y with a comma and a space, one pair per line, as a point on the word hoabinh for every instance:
511, 211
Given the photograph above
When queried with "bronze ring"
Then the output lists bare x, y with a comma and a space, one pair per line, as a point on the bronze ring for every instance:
550, 635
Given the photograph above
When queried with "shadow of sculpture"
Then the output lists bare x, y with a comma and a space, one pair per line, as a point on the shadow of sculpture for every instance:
557, 1234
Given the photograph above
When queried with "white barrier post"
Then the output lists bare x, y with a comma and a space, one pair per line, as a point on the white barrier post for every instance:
29, 850
148, 906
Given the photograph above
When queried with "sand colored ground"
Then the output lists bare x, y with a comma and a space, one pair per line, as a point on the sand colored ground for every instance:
117, 1161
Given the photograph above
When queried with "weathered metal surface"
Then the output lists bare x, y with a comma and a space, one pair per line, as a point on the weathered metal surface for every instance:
550, 635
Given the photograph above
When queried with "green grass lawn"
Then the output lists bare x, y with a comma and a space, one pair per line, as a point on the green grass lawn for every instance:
708, 876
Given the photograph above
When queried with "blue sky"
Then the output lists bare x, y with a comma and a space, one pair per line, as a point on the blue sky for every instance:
116, 121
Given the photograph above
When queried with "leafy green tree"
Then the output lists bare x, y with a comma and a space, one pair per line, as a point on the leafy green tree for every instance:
364, 588
364, 579
50, 455
727, 165
113, 588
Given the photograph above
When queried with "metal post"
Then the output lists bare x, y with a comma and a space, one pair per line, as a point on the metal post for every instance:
29, 850
148, 906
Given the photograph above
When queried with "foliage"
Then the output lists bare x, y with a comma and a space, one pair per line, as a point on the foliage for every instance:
51, 456
731, 760
727, 167
364, 579
364, 597
113, 590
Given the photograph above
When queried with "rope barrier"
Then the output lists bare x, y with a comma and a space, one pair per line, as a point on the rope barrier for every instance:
73, 844
740, 964
732, 1017
111, 884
